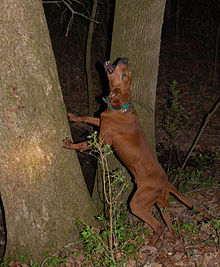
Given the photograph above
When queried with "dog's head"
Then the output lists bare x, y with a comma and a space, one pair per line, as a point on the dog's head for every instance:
118, 74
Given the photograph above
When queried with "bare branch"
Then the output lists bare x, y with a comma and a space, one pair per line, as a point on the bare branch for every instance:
68, 4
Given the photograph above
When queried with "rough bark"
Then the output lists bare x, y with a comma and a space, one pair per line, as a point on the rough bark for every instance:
136, 35
42, 187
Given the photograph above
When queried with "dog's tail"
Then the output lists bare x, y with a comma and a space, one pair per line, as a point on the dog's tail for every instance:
188, 203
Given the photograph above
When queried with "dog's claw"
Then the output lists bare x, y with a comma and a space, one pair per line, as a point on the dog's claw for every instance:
67, 143
73, 117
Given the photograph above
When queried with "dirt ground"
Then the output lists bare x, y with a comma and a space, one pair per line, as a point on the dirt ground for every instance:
187, 248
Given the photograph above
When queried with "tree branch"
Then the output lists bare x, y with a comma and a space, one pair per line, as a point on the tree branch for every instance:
211, 112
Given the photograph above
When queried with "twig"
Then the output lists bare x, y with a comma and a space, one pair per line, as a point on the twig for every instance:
119, 193
70, 8
101, 240
212, 111
108, 198
66, 246
77, 13
70, 23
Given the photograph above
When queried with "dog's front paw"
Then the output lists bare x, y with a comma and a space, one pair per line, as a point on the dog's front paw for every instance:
73, 117
68, 143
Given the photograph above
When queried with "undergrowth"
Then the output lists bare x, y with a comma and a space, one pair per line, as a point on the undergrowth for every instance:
199, 172
189, 232
199, 175
118, 238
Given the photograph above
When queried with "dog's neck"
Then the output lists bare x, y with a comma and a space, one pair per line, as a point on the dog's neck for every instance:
119, 102
124, 108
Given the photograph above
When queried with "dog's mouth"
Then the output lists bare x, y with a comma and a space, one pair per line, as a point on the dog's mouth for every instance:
110, 68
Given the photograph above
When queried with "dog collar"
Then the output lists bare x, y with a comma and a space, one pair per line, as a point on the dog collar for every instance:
124, 108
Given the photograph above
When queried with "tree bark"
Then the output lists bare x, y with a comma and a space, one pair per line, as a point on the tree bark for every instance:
137, 35
42, 187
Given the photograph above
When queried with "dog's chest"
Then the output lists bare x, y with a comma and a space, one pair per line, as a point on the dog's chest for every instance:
116, 122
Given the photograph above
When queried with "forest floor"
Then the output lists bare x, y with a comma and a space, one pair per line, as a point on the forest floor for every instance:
194, 243
190, 64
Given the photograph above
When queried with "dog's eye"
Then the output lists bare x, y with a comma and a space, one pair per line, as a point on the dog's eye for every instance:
123, 76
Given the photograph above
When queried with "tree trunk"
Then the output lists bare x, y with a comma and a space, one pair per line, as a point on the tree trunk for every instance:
136, 35
90, 87
42, 187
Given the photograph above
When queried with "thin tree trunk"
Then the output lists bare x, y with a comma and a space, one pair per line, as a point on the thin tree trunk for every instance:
88, 59
178, 21
214, 78
42, 187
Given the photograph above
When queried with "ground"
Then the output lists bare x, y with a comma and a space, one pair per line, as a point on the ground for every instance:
189, 247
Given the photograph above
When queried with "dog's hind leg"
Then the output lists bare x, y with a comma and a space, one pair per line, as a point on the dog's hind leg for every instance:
142, 201
163, 204
187, 202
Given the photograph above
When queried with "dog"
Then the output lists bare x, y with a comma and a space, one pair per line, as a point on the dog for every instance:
121, 129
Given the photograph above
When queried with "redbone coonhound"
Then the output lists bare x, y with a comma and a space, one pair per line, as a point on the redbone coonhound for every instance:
120, 128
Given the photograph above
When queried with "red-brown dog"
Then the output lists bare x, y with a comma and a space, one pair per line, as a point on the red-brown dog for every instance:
120, 128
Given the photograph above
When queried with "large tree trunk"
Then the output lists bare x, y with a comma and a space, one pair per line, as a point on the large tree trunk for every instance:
137, 35
42, 187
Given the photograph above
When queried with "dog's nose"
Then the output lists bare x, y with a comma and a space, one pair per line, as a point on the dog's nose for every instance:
124, 60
